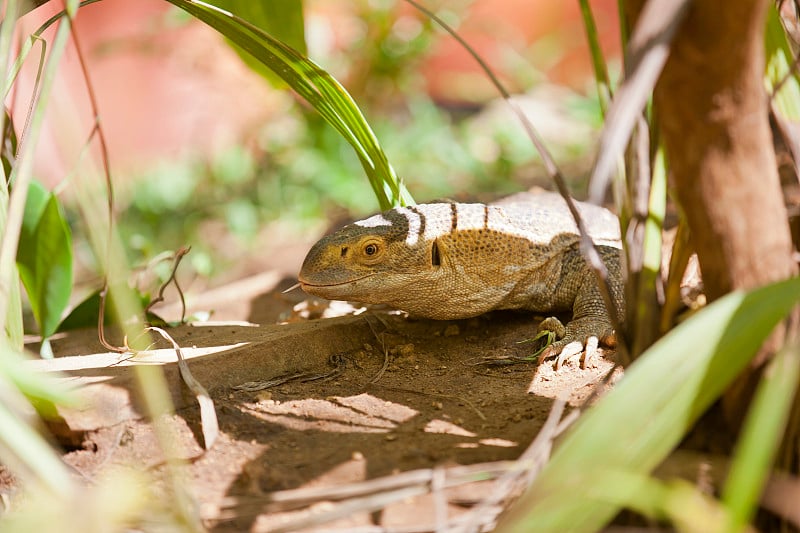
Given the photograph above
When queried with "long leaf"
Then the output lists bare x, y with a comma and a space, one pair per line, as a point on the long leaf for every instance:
601, 78
318, 88
685, 505
281, 19
44, 259
21, 447
34, 207
761, 436
661, 396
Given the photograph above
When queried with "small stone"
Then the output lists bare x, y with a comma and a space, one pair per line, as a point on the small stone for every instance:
264, 396
404, 350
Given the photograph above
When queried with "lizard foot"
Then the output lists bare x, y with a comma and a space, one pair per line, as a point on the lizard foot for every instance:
579, 338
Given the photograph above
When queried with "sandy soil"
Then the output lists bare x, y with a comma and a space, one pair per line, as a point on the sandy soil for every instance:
362, 397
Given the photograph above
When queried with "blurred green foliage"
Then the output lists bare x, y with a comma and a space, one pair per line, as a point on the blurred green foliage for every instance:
300, 170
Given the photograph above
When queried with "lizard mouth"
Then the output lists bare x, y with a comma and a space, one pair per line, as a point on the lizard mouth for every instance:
305, 283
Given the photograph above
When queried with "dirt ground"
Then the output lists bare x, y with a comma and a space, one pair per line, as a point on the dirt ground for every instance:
320, 402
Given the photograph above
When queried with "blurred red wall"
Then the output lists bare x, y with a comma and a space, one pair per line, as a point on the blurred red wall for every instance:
166, 88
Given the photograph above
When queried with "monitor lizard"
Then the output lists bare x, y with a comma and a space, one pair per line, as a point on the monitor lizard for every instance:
458, 260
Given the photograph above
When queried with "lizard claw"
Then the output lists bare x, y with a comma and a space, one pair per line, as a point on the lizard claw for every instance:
571, 345
570, 351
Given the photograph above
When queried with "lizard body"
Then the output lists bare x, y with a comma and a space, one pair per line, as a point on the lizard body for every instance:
454, 260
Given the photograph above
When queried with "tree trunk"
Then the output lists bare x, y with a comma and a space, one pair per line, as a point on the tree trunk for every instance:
714, 113
714, 120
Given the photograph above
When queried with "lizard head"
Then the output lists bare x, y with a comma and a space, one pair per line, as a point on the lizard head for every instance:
382, 259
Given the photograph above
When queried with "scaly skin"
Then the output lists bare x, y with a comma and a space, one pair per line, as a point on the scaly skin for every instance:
449, 260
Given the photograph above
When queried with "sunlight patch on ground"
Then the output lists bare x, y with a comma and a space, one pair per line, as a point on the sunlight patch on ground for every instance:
352, 414
102, 360
442, 426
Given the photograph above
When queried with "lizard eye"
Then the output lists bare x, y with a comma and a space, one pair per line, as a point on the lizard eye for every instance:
371, 251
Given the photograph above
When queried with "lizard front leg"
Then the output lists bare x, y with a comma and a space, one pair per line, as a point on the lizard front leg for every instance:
591, 324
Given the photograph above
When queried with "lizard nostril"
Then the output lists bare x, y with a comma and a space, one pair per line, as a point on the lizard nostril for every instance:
344, 251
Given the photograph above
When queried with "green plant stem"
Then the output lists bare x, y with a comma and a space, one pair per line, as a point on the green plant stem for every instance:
13, 72
22, 173
13, 324
646, 318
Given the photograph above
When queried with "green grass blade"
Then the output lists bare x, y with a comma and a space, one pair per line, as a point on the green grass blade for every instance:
598, 61
677, 501
647, 414
24, 449
779, 69
21, 447
38, 389
8, 149
647, 310
761, 436
318, 88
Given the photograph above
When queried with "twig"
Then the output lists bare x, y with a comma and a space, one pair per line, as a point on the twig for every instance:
208, 417
385, 365
101, 319
97, 130
377, 493
439, 498
302, 377
254, 386
421, 480
530, 463
179, 255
